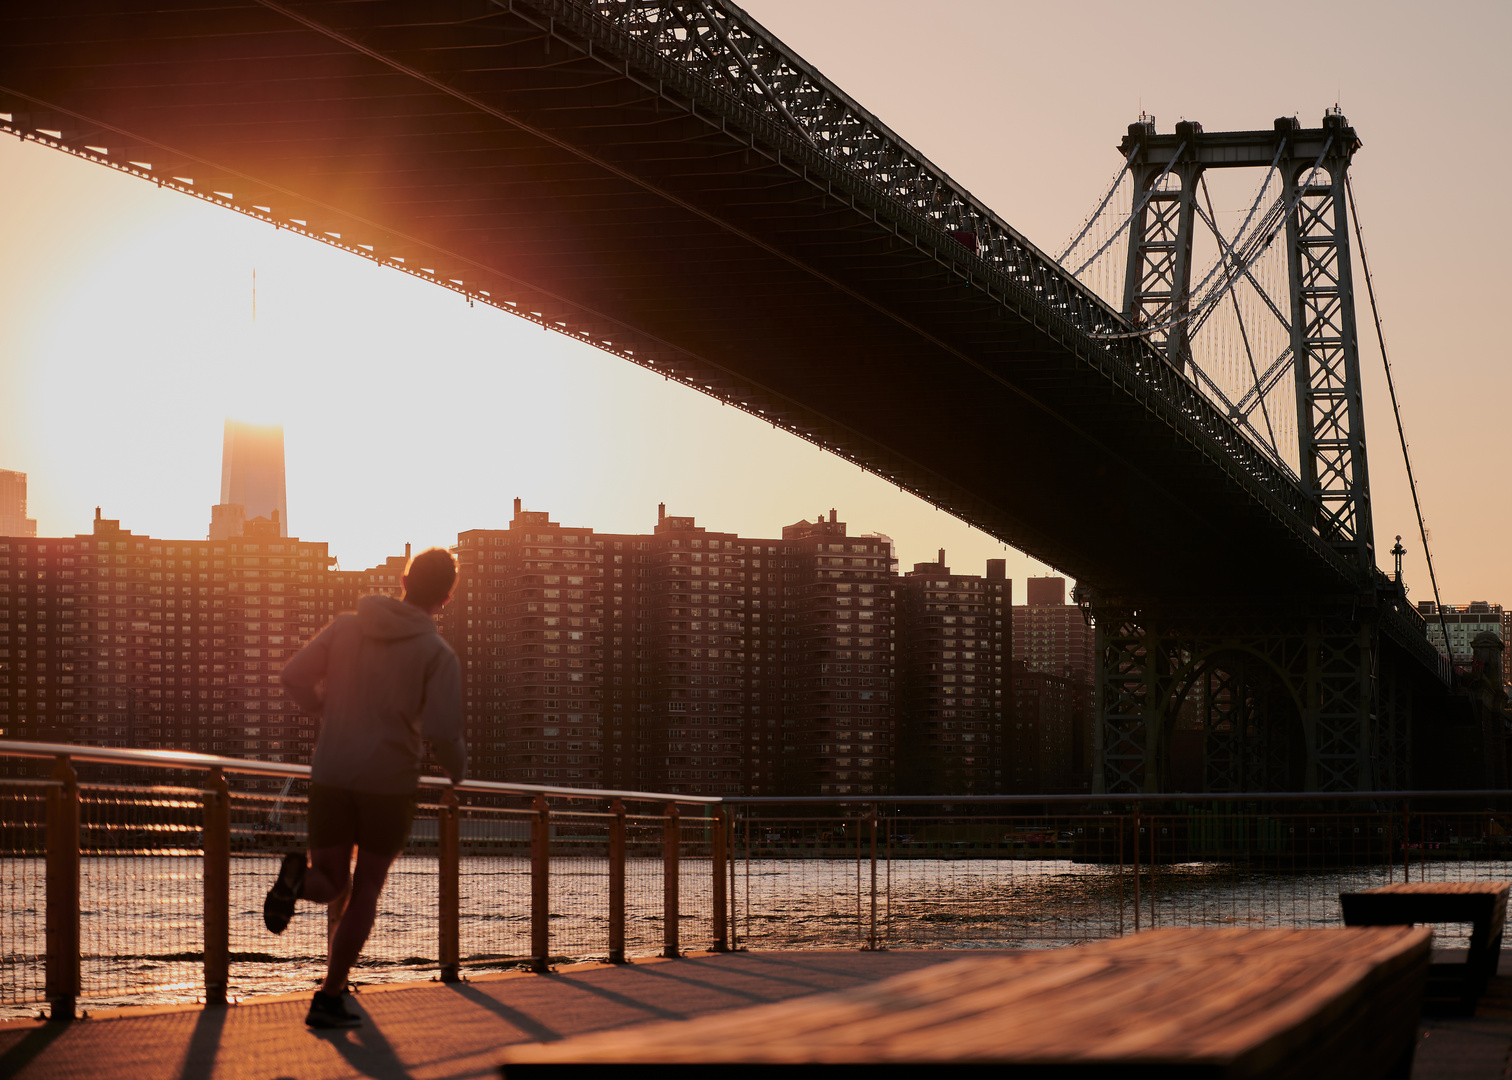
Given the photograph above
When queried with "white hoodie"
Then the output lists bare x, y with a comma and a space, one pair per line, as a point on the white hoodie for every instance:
389, 681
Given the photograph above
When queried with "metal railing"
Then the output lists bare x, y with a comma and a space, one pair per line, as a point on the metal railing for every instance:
121, 889
118, 890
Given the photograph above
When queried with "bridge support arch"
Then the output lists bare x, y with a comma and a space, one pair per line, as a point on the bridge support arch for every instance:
1283, 700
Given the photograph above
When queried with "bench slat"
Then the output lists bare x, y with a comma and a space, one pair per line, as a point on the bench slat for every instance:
1242, 1001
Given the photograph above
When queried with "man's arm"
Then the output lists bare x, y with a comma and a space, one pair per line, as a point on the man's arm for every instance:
302, 676
441, 715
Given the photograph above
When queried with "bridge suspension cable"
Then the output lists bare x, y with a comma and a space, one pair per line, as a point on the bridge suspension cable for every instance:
1149, 191
1396, 411
1252, 248
1091, 221
1238, 315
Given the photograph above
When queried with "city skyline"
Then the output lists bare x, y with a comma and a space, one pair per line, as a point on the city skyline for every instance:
96, 419
679, 659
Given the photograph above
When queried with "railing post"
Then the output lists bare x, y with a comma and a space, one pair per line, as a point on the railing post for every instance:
217, 887
1153, 860
63, 983
540, 885
721, 898
449, 853
871, 821
1136, 868
671, 844
617, 883
1406, 833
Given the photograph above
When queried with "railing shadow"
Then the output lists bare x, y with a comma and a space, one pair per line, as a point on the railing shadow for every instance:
204, 1044
30, 1046
528, 1025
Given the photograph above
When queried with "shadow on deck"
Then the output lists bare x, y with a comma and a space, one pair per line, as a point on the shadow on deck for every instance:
431, 1031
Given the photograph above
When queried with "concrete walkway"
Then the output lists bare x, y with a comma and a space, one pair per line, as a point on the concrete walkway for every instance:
429, 1031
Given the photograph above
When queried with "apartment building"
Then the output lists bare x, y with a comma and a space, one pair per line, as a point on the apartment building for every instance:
1052, 635
1039, 750
838, 659
955, 633
113, 638
118, 639
683, 660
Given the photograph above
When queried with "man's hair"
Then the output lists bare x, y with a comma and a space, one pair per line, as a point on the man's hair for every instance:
429, 577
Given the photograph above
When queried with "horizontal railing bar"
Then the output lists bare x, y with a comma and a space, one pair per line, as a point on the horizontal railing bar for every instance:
165, 759
183, 759
188, 759
1084, 798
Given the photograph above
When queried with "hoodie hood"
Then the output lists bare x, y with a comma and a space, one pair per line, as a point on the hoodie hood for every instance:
389, 619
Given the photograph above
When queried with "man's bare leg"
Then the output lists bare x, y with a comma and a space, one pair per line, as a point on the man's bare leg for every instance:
326, 877
357, 921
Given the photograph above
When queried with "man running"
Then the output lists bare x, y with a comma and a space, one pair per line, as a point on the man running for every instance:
379, 680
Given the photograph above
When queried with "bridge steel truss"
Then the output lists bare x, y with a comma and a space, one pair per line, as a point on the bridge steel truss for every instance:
1289, 695
742, 129
1318, 699
668, 182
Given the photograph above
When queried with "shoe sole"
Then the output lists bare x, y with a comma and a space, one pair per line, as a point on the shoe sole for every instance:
278, 910
278, 907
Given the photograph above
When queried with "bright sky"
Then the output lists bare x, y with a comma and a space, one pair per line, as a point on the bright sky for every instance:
126, 334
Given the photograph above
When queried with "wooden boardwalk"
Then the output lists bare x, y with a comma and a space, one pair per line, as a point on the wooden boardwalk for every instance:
430, 1031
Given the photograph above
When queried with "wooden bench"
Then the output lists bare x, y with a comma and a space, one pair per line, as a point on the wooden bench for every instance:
1453, 988
1165, 1003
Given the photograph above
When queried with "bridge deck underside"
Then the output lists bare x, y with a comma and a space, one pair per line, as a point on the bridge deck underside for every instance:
463, 139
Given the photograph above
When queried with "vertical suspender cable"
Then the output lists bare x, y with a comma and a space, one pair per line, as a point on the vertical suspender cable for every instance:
1223, 252
1096, 214
1397, 411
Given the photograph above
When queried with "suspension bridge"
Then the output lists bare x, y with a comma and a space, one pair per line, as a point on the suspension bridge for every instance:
668, 182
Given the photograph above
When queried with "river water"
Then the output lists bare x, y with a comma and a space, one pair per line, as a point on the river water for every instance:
142, 934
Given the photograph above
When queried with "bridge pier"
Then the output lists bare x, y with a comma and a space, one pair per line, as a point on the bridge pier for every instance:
1266, 698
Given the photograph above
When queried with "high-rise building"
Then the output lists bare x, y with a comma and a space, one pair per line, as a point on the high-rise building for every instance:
1040, 751
695, 632
526, 621
682, 660
839, 636
118, 639
1464, 622
252, 480
955, 645
13, 519
386, 579
1051, 635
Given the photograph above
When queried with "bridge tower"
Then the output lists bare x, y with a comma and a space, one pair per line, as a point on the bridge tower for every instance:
1275, 690
1158, 278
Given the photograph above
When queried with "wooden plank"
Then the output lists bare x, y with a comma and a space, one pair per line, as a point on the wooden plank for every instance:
1209, 1003
1436, 888
1452, 987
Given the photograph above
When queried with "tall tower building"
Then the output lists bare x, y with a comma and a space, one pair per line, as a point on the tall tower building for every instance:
252, 480
956, 645
13, 519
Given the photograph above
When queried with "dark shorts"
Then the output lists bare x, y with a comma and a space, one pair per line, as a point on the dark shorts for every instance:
376, 823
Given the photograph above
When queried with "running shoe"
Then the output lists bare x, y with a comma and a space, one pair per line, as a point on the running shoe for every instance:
278, 908
330, 1011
